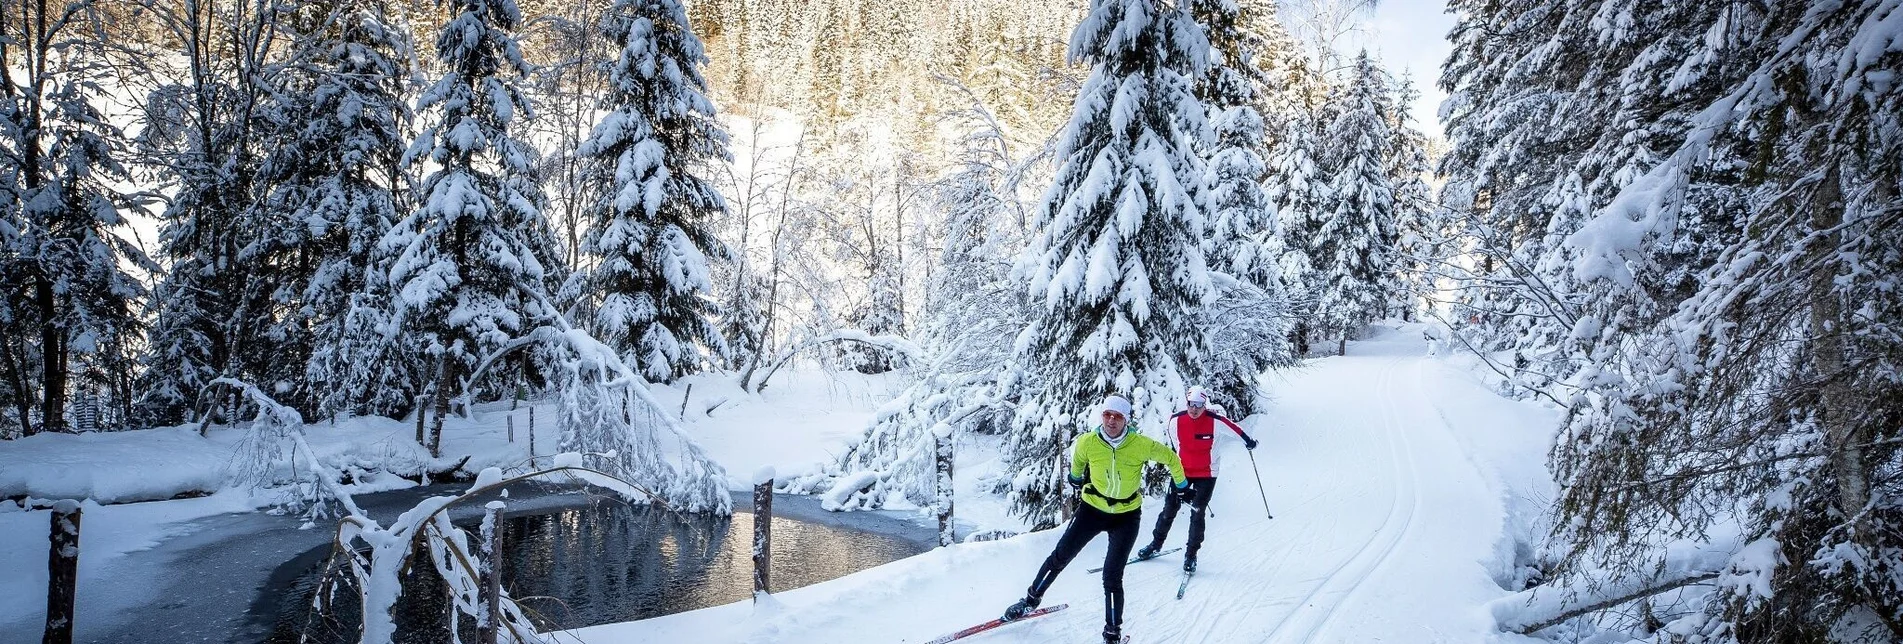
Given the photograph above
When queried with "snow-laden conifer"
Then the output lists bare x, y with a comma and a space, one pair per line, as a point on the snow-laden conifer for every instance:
1116, 271
1239, 237
1419, 234
1704, 283
1354, 245
471, 263
647, 238
335, 188
68, 310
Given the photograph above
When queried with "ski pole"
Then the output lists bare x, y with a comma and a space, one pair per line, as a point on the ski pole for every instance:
1258, 484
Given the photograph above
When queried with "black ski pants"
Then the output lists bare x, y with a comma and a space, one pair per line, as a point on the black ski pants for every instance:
1086, 525
1199, 510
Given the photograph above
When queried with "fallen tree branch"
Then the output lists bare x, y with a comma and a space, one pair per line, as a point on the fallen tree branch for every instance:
1529, 611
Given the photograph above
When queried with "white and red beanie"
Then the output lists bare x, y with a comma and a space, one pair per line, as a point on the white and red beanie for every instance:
1197, 397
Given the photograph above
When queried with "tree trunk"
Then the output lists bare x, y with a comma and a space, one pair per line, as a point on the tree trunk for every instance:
446, 374
22, 397
1836, 395
946, 534
52, 359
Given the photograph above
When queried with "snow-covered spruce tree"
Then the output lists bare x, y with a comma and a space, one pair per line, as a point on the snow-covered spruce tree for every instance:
1353, 247
1737, 305
472, 262
1239, 235
335, 187
1539, 141
68, 307
1418, 231
1116, 270
1298, 189
647, 232
201, 134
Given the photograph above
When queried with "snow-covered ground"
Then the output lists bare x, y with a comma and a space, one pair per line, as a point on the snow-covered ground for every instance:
1396, 478
802, 417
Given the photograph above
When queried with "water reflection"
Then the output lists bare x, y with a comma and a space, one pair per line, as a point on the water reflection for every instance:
611, 562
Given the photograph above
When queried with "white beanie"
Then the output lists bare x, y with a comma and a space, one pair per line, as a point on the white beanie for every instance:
1117, 404
1197, 396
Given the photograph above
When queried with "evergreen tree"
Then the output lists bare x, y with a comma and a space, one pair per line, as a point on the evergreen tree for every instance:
647, 231
1418, 231
1116, 270
212, 312
1685, 206
335, 188
1354, 246
1240, 219
472, 263
68, 309
1298, 190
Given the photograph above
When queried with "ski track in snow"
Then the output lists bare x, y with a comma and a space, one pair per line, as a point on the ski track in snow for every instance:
1382, 522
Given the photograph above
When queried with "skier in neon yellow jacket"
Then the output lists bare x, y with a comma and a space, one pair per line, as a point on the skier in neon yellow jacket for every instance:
1107, 463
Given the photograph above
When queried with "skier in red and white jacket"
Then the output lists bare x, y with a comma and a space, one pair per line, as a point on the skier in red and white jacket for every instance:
1193, 434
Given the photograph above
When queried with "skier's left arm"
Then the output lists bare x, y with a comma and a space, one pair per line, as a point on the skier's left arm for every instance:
1246, 440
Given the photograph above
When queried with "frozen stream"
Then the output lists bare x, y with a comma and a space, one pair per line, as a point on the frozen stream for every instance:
247, 577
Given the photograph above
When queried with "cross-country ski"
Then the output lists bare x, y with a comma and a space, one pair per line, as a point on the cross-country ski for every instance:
974, 630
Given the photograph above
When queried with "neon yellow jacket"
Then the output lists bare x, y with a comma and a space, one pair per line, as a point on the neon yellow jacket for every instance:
1115, 474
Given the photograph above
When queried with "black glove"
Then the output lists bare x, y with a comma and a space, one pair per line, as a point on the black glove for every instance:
1248, 442
1075, 481
1185, 494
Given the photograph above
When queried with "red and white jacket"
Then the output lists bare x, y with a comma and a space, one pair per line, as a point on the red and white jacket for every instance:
1194, 439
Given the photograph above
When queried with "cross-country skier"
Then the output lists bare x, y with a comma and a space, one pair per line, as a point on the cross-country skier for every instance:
1193, 431
1107, 464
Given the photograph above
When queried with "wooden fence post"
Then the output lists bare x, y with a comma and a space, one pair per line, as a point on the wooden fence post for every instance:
684, 397
511, 418
762, 531
489, 570
531, 434
62, 568
942, 435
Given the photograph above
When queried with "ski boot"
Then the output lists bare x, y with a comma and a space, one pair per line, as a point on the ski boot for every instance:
1148, 552
1189, 564
1112, 635
1018, 610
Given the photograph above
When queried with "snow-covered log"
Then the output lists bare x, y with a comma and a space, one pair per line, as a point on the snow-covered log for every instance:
1541, 607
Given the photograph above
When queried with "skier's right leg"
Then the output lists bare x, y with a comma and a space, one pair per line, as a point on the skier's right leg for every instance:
1123, 531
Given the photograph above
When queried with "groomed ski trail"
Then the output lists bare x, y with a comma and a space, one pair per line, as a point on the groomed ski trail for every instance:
1383, 522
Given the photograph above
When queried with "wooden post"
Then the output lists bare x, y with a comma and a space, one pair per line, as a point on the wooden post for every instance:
489, 571
511, 418
942, 434
762, 531
62, 568
531, 434
684, 397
